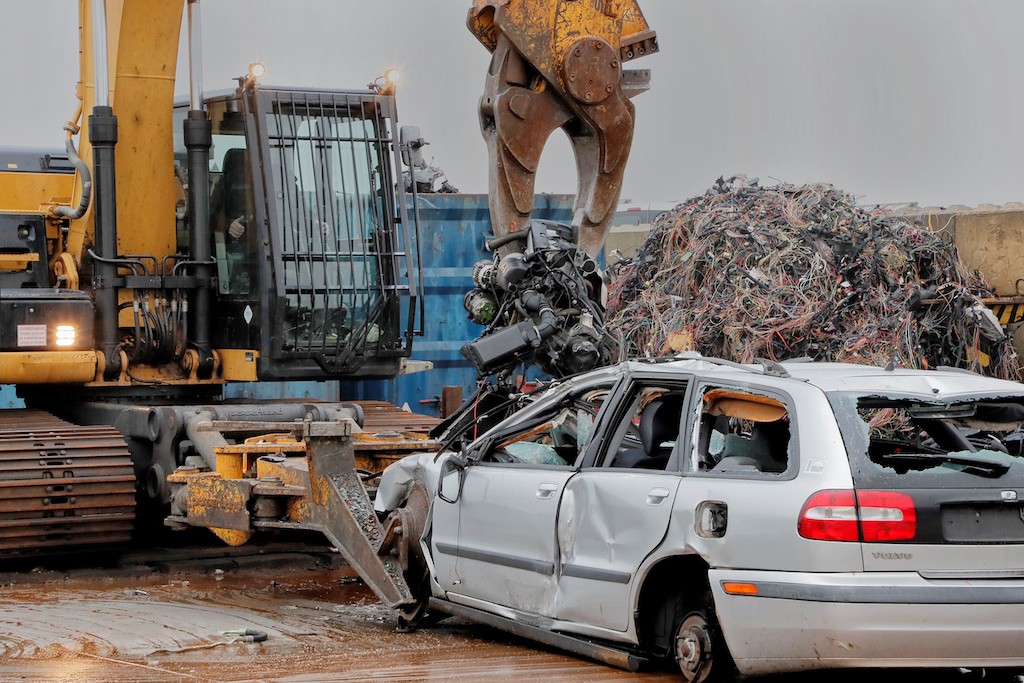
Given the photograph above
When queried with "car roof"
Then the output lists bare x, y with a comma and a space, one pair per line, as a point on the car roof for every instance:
837, 377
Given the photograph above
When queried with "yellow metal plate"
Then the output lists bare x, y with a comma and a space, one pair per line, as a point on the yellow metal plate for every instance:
47, 367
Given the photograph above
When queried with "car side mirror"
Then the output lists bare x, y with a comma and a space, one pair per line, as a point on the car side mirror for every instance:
453, 476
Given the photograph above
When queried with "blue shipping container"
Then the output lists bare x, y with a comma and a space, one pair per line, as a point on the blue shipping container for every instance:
453, 231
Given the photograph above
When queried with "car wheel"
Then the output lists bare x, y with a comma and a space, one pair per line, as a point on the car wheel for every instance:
700, 651
412, 515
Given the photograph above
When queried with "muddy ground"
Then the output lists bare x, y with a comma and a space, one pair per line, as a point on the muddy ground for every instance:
168, 618
166, 621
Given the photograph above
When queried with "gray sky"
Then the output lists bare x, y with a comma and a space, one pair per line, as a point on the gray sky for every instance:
890, 100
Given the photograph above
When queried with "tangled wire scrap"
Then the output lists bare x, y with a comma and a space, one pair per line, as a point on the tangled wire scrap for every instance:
746, 272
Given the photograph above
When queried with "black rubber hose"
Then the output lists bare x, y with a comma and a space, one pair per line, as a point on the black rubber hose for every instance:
534, 302
499, 242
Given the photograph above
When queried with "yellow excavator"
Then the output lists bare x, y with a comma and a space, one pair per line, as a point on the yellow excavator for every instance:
259, 234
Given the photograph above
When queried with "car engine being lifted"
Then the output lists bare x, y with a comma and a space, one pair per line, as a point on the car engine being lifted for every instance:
541, 298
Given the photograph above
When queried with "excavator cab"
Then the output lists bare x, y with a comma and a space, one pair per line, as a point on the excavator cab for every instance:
315, 255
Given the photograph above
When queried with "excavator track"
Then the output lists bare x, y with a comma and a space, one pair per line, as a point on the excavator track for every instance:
63, 488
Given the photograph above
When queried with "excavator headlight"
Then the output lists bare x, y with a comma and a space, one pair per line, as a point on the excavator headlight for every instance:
257, 71
65, 335
388, 83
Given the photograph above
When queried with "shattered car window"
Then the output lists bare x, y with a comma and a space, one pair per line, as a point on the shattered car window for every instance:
741, 432
556, 438
894, 438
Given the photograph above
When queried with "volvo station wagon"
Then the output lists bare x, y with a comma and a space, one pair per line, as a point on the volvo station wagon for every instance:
740, 519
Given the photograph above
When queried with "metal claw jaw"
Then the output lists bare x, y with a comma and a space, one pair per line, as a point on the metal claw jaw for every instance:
558, 64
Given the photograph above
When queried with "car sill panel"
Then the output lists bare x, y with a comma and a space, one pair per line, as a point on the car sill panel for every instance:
611, 656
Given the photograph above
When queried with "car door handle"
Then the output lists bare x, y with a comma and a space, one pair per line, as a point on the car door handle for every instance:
546, 491
657, 496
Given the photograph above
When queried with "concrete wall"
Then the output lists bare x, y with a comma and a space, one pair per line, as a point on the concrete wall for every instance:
624, 242
992, 242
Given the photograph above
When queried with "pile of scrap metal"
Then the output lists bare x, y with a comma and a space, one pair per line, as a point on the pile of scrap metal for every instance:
784, 272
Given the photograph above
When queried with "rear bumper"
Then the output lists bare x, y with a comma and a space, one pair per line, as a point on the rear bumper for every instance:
800, 621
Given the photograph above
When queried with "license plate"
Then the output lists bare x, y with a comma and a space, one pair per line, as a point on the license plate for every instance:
983, 523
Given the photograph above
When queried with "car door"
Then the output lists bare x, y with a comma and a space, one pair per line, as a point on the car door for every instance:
740, 495
497, 542
495, 546
617, 509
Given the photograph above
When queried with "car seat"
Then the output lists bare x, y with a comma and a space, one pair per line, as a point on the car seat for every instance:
760, 449
659, 423
741, 451
773, 440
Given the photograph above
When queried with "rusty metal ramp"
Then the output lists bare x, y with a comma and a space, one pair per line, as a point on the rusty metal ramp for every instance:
63, 488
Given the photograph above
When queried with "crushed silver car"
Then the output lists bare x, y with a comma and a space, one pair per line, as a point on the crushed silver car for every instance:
743, 520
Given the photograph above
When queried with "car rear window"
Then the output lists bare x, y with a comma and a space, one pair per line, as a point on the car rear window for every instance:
907, 442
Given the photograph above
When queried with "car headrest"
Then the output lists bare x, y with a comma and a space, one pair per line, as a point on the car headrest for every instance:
740, 446
659, 421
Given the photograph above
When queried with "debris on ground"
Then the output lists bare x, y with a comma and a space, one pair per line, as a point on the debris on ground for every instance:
244, 635
746, 272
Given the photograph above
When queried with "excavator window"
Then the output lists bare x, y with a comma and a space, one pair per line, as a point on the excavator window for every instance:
233, 224
232, 213
326, 166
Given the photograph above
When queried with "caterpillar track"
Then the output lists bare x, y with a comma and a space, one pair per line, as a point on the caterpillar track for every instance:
63, 488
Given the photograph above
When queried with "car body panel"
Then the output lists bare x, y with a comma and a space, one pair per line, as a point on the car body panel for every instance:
952, 560
497, 543
758, 501
609, 521
869, 620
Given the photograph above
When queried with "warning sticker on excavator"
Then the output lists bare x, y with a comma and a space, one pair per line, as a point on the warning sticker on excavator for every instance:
31, 335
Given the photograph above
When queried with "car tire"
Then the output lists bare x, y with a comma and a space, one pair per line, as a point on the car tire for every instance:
699, 649
412, 514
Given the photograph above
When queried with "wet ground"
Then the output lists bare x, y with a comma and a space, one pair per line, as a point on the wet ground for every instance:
171, 620
168, 622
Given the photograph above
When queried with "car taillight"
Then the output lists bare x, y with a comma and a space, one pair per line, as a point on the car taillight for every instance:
830, 516
886, 516
847, 515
